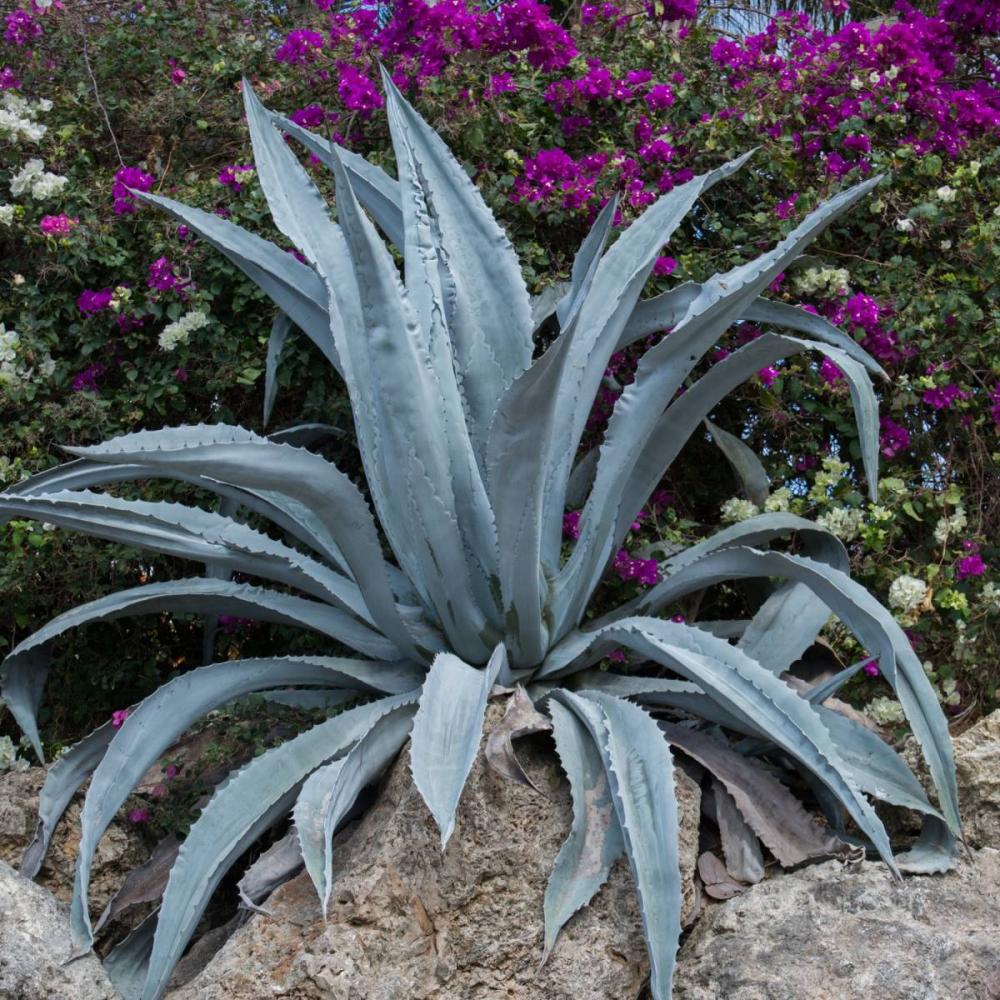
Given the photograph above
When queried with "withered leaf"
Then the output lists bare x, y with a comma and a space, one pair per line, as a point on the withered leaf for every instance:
144, 884
740, 846
769, 808
719, 884
273, 868
520, 719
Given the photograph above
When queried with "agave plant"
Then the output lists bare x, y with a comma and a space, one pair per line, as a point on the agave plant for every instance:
470, 445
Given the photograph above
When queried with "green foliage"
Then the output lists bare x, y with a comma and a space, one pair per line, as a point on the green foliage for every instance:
467, 437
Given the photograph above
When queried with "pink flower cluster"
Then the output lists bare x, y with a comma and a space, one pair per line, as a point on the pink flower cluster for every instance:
163, 276
892, 437
229, 176
970, 565
57, 225
865, 71
129, 179
90, 302
22, 28
643, 571
553, 175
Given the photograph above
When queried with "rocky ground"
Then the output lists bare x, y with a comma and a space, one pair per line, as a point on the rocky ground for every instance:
407, 921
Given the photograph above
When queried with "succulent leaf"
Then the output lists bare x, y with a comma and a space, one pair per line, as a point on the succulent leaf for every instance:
594, 842
447, 731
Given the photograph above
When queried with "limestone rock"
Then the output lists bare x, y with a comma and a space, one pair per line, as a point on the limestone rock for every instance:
121, 849
35, 941
407, 921
977, 767
833, 933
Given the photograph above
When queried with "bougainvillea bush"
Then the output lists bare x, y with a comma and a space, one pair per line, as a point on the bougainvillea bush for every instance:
114, 320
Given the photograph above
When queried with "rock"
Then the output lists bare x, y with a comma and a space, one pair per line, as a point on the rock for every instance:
121, 849
35, 941
407, 921
977, 767
833, 933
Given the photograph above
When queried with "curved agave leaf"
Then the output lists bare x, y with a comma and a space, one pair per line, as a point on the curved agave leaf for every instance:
756, 697
330, 792
413, 433
447, 731
62, 781
602, 314
541, 417
748, 468
294, 518
147, 733
576, 652
640, 772
666, 310
251, 801
25, 668
625, 463
790, 620
280, 329
796, 318
875, 767
127, 962
595, 840
426, 265
827, 689
191, 533
659, 691
293, 287
543, 305
303, 480
681, 419
273, 868
662, 312
489, 315
376, 190
585, 264
873, 625
935, 850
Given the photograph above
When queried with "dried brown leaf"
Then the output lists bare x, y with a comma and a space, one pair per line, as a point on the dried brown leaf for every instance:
520, 719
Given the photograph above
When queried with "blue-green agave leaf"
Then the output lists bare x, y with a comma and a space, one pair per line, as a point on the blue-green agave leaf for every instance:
413, 435
330, 792
489, 314
147, 733
191, 533
25, 668
595, 839
127, 962
375, 189
934, 852
251, 801
62, 781
295, 288
280, 329
828, 688
875, 767
749, 470
585, 264
661, 372
447, 731
872, 623
640, 771
757, 698
789, 317
303, 480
